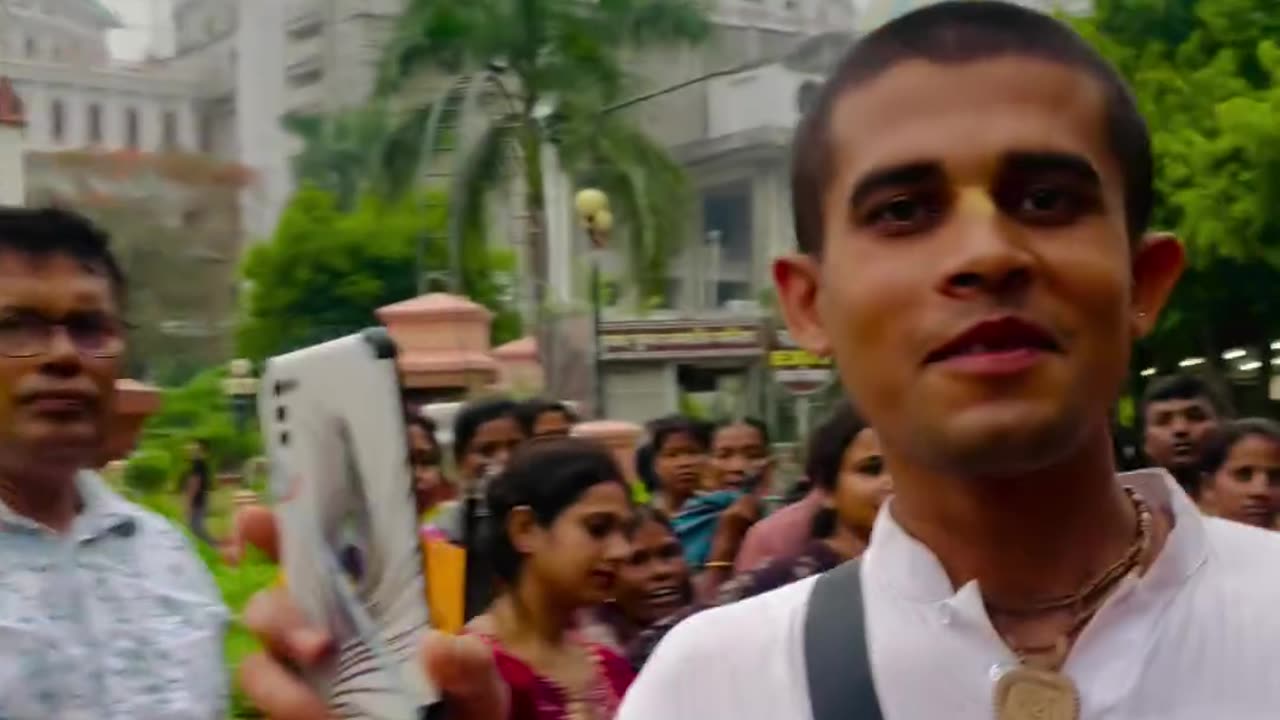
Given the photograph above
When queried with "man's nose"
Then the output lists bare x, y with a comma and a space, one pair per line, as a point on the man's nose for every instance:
989, 258
62, 353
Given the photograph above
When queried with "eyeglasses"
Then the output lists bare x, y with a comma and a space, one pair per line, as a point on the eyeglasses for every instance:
26, 335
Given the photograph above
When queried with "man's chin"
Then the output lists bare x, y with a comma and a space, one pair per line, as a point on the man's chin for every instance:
62, 446
1008, 447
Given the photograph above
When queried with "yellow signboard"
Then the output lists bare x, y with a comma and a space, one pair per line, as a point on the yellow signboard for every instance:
796, 359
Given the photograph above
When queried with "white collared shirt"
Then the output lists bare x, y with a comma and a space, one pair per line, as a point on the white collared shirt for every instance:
117, 619
1197, 637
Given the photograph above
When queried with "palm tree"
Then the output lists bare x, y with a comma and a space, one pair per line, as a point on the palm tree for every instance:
340, 150
560, 67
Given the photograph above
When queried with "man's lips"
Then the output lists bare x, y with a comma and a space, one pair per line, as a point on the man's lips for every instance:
1007, 340
59, 402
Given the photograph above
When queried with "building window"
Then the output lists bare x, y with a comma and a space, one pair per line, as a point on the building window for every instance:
30, 48
732, 290
58, 120
306, 30
170, 130
206, 134
132, 131
726, 212
95, 124
306, 78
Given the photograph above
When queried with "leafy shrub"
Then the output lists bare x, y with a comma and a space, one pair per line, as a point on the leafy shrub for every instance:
148, 471
199, 410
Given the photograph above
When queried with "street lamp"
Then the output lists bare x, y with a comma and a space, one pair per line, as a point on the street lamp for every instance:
240, 387
593, 212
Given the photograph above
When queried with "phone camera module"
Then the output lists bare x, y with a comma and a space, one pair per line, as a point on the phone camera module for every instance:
352, 562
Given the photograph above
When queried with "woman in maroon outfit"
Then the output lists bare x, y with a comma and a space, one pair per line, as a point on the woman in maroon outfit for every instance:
562, 513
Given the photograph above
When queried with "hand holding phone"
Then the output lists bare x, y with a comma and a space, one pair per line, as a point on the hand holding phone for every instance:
334, 429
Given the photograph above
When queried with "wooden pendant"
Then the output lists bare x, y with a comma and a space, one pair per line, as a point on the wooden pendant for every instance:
1024, 693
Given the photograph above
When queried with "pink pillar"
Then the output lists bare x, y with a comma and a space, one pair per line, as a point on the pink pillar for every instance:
134, 403
443, 343
519, 369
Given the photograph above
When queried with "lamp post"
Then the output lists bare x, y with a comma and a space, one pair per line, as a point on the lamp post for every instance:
240, 387
593, 212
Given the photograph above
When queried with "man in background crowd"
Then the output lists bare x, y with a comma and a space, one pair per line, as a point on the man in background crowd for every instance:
105, 610
198, 482
1179, 414
542, 418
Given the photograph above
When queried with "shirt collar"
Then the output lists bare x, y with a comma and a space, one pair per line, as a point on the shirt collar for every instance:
912, 571
102, 511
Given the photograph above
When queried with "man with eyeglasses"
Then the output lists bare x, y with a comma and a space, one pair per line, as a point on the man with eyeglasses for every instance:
105, 610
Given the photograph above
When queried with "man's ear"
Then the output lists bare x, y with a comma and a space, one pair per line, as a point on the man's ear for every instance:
1158, 262
796, 278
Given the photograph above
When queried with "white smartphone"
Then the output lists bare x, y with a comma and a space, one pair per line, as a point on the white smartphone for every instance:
333, 425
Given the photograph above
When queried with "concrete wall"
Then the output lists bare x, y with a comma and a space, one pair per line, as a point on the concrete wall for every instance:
63, 32
116, 95
766, 96
12, 173
260, 102
639, 392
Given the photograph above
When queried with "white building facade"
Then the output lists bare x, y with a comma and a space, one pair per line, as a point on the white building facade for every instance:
55, 54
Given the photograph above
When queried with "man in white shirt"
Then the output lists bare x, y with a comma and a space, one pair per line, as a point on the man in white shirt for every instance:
971, 197
105, 609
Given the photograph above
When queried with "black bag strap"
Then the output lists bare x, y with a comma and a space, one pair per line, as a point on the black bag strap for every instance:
836, 656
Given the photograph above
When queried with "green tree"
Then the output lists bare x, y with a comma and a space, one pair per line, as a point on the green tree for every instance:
340, 151
1207, 77
562, 65
325, 272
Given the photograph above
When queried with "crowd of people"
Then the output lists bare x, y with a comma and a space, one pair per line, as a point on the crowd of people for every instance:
971, 194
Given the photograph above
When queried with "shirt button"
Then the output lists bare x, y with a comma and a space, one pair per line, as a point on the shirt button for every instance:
946, 613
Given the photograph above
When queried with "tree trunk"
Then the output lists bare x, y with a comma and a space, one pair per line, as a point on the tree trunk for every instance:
535, 210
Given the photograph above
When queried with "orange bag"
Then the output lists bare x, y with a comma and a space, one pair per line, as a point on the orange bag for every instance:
445, 570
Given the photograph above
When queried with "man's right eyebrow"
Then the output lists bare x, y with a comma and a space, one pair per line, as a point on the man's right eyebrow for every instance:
894, 176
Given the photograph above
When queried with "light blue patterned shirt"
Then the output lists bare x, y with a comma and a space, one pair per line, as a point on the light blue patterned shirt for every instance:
116, 619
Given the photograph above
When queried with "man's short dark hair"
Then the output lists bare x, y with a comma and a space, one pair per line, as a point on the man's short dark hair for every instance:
529, 411
1185, 386
46, 232
960, 31
472, 416
662, 430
